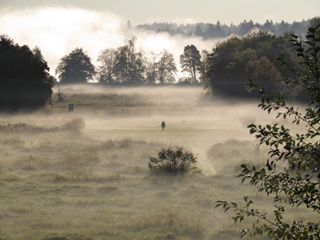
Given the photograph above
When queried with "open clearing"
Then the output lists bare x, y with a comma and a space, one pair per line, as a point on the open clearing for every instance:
84, 175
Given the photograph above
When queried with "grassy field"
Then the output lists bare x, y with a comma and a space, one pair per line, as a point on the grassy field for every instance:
83, 174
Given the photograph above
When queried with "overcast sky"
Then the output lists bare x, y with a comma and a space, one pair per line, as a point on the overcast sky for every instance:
184, 11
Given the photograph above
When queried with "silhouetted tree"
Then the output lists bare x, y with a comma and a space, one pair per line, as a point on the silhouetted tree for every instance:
76, 67
107, 59
162, 69
190, 61
152, 69
246, 27
284, 27
235, 60
297, 28
37, 53
204, 56
199, 31
25, 82
268, 27
210, 31
129, 66
166, 67
219, 31
314, 22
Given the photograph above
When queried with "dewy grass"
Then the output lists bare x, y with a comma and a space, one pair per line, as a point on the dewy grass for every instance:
99, 206
94, 183
103, 101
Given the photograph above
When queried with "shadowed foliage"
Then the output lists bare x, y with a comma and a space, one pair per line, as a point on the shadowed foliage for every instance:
296, 182
24, 80
76, 67
253, 57
173, 162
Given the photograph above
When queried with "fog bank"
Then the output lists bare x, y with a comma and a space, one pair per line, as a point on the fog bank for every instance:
59, 30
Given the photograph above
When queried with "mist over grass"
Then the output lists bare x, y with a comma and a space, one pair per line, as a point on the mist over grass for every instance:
90, 180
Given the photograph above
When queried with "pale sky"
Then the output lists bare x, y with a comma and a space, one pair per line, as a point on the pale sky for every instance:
184, 11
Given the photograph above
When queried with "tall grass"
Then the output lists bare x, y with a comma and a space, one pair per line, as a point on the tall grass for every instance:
78, 176
104, 193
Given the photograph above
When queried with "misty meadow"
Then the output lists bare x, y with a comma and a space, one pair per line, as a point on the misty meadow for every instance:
141, 144
84, 174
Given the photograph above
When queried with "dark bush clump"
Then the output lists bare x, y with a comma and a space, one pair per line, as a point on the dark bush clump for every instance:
174, 162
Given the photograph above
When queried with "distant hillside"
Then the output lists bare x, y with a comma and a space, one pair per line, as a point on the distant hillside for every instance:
210, 30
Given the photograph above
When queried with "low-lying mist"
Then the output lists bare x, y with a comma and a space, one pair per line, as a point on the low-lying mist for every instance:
193, 120
84, 174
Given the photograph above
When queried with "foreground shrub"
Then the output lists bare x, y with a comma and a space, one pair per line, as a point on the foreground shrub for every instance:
173, 162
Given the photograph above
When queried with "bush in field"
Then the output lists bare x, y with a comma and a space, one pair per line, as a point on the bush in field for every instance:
173, 162
75, 125
297, 184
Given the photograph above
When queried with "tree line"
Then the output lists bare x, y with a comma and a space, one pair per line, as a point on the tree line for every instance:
26, 83
224, 71
218, 30
126, 65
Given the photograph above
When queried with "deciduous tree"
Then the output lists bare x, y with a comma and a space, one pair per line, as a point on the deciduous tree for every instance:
107, 59
129, 64
162, 68
25, 82
76, 67
166, 67
235, 60
190, 61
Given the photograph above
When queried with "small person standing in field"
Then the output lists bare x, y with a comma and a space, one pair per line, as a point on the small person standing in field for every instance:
163, 125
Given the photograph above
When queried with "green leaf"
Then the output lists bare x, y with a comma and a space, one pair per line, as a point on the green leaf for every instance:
234, 204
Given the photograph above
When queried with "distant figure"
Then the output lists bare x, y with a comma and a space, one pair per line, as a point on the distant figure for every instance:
163, 125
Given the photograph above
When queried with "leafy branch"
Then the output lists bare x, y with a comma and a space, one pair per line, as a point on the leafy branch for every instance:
297, 183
